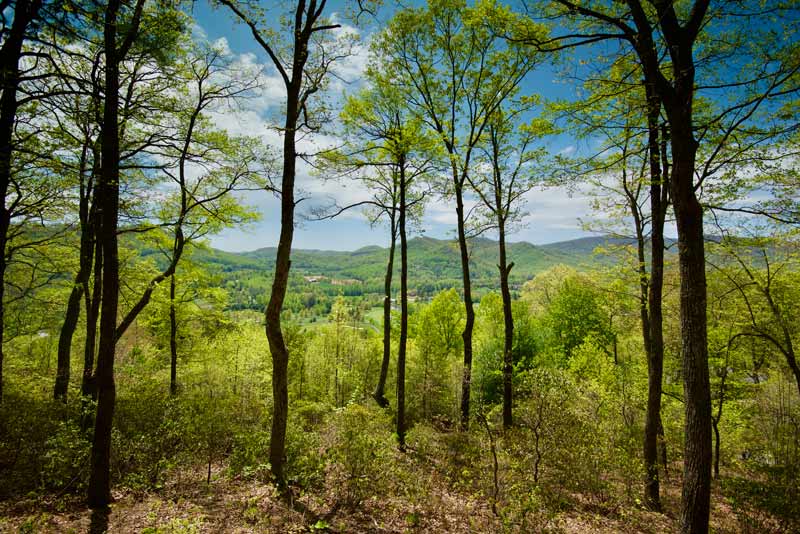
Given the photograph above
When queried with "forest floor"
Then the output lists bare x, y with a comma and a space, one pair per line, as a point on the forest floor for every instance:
187, 505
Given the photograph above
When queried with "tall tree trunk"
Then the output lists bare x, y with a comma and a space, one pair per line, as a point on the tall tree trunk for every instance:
380, 395
99, 490
466, 380
401, 354
696, 492
173, 339
508, 323
84, 271
677, 97
277, 345
715, 419
25, 11
653, 330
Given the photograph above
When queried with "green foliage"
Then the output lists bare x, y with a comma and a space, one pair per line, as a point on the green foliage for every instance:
358, 445
66, 458
767, 504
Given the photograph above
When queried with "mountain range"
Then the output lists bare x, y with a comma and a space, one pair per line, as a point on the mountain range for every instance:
429, 260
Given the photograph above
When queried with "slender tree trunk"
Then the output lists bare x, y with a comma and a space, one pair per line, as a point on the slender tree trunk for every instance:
715, 424
173, 339
277, 345
662, 443
88, 391
99, 490
715, 419
469, 324
401, 354
24, 13
508, 320
653, 330
93, 300
84, 270
65, 340
380, 395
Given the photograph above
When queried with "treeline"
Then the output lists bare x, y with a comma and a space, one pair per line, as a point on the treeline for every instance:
109, 126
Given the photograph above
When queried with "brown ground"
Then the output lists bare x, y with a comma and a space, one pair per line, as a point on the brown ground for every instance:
188, 506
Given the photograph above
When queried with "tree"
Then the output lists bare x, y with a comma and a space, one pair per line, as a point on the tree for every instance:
99, 490
392, 147
764, 282
11, 52
201, 203
630, 175
301, 79
502, 189
654, 30
386, 150
457, 73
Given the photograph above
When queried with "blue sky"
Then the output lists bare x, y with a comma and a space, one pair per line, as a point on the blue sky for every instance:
553, 213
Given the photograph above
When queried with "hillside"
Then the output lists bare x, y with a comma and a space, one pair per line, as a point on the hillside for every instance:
428, 257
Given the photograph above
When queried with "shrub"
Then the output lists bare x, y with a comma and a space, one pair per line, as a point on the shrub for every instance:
359, 445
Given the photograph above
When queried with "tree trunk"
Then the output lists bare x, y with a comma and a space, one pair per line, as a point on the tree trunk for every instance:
662, 443
677, 96
653, 330
99, 491
715, 424
65, 340
469, 324
24, 13
508, 320
401, 354
380, 395
88, 389
173, 339
277, 345
696, 384
93, 300
84, 270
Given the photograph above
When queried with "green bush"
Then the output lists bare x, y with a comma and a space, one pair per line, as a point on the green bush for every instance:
358, 450
66, 460
250, 454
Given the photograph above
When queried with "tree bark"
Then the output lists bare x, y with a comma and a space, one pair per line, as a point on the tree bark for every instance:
84, 271
277, 345
380, 395
508, 323
466, 380
401, 354
99, 490
653, 329
93, 300
696, 492
92, 315
173, 339
65, 340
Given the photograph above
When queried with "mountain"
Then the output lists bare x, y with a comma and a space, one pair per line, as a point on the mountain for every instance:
434, 265
429, 259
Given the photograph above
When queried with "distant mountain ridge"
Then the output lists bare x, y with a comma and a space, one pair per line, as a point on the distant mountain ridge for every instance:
429, 258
